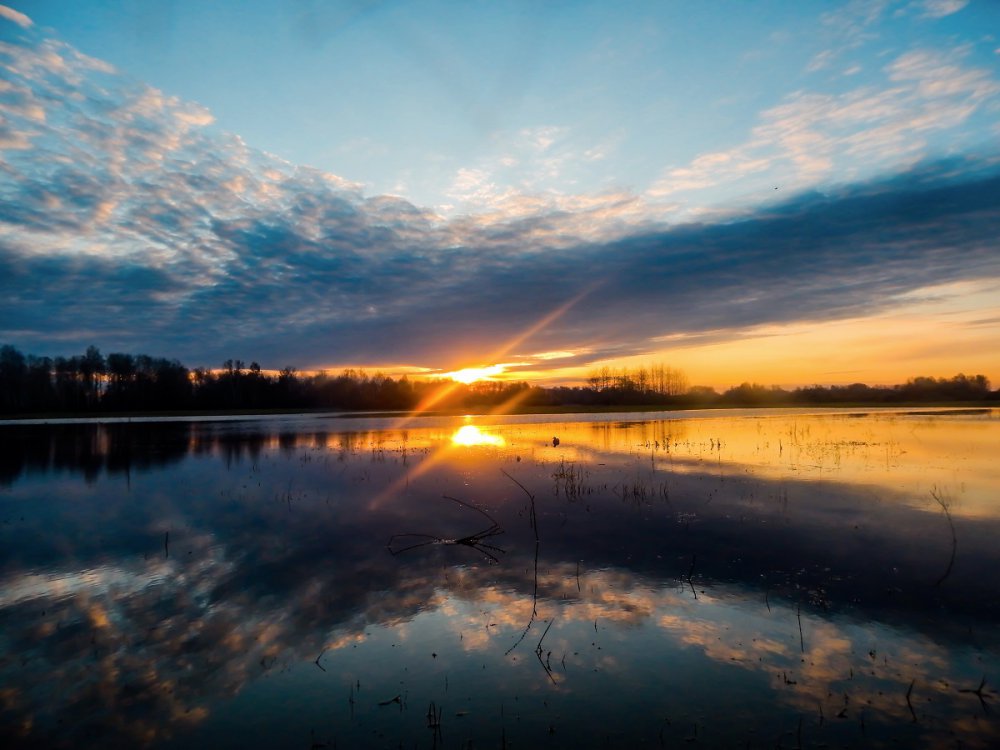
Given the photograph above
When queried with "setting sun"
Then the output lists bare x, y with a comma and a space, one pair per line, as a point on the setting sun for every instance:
472, 374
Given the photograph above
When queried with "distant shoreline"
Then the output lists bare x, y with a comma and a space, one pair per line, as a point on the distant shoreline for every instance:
226, 414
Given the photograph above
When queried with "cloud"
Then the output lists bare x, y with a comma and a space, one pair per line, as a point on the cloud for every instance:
542, 138
127, 223
849, 27
808, 135
527, 168
857, 22
472, 185
15, 17
327, 279
942, 8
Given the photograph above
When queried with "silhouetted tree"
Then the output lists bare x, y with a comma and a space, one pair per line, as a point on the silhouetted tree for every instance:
13, 379
92, 369
755, 394
69, 395
39, 390
121, 380
125, 382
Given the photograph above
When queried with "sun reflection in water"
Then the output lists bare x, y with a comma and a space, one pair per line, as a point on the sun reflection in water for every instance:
472, 435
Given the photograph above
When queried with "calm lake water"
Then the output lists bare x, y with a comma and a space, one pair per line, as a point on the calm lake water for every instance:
750, 579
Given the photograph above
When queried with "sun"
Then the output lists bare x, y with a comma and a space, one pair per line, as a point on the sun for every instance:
472, 374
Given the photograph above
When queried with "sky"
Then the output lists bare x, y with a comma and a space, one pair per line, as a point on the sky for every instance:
785, 193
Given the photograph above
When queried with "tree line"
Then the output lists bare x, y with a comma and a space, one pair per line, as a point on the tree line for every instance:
94, 383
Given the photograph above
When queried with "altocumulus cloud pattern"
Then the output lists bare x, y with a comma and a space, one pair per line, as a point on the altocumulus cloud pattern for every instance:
128, 220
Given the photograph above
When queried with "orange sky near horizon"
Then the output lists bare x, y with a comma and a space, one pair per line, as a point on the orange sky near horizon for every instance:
939, 332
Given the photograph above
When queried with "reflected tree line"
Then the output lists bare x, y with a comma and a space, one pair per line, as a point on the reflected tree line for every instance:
114, 448
118, 382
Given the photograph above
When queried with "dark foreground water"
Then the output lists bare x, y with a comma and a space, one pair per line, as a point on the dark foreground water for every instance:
750, 580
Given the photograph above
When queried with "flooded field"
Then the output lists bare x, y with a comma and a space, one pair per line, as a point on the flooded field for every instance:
753, 579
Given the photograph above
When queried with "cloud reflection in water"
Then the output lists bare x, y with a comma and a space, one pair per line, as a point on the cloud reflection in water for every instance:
675, 562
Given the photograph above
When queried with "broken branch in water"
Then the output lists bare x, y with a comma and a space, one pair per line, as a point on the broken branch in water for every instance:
475, 541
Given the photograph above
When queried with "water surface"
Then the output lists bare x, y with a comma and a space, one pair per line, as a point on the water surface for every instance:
729, 579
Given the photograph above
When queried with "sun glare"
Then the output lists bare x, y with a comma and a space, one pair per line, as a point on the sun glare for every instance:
472, 374
472, 435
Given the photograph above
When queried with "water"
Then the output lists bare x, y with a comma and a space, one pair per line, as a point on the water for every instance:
727, 579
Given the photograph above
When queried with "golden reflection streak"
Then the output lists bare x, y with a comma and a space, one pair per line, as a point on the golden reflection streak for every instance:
471, 435
440, 455
434, 459
442, 393
902, 455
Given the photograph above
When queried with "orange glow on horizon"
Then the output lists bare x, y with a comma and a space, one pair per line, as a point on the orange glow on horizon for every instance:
441, 394
945, 330
936, 331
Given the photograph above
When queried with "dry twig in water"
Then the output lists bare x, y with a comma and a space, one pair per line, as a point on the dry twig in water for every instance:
475, 541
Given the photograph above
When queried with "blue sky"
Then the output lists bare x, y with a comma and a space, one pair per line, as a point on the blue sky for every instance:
420, 184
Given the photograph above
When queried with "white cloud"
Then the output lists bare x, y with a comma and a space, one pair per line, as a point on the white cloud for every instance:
850, 26
938, 76
542, 138
473, 186
529, 173
708, 170
821, 60
19, 18
809, 134
942, 8
856, 16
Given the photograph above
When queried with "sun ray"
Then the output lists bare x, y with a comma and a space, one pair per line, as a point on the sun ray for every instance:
511, 403
445, 391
